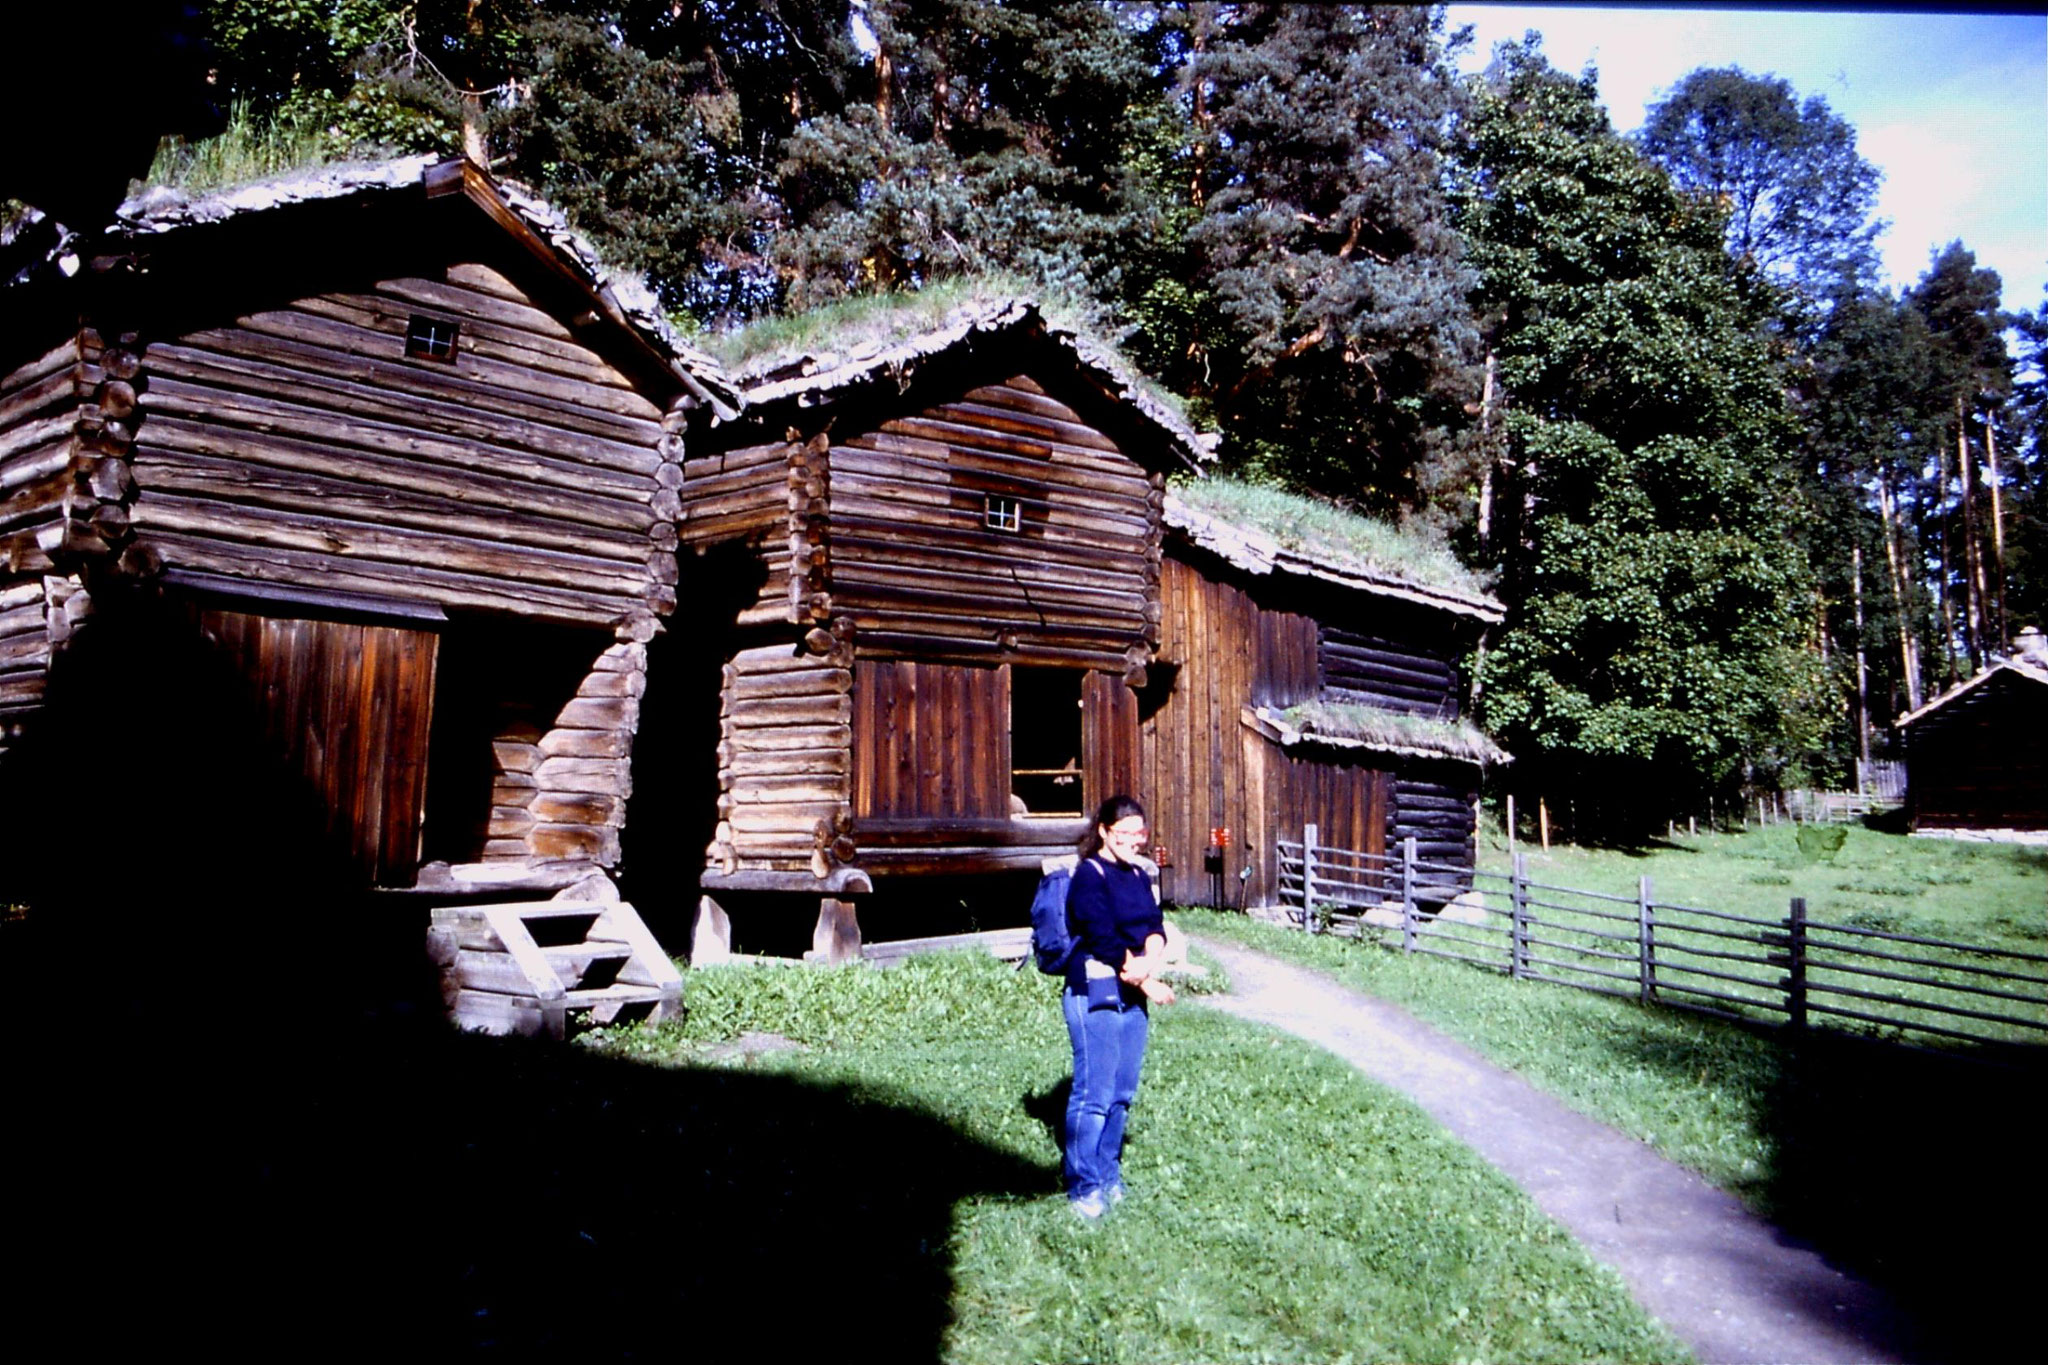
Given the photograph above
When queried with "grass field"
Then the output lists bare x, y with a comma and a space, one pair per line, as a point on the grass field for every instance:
1939, 888
1890, 1160
1283, 1207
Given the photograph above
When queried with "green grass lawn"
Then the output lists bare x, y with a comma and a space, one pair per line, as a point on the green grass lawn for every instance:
1888, 1159
1937, 888
1283, 1207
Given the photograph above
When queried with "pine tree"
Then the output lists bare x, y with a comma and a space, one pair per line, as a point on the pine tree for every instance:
1654, 647
1337, 350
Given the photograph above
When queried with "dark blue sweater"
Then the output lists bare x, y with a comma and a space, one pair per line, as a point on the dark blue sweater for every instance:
1110, 912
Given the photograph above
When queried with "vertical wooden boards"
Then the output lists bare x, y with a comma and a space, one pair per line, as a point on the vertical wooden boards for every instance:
934, 742
1109, 740
303, 444
346, 706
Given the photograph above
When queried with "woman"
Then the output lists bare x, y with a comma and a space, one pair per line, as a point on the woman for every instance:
1120, 945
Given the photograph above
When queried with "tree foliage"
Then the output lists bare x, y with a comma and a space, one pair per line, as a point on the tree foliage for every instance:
1797, 194
1654, 636
1338, 346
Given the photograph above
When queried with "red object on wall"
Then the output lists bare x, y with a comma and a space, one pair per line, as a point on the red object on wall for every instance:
1219, 837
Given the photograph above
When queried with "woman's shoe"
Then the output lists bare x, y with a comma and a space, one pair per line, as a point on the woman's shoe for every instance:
1089, 1206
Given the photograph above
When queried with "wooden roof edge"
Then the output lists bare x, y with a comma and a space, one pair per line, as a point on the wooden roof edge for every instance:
532, 222
1256, 552
2025, 668
1273, 724
811, 376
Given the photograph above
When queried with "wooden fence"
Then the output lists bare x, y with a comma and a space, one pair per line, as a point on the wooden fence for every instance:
1797, 971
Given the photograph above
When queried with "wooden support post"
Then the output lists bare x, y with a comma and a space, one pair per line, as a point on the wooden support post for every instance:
1646, 942
710, 935
1543, 822
1511, 824
837, 937
1795, 981
1308, 877
1518, 918
1408, 894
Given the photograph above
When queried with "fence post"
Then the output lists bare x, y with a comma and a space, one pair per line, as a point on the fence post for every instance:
1646, 946
1408, 894
1795, 983
1308, 878
1518, 917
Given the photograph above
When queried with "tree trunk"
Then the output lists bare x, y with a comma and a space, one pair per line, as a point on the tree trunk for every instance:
1909, 655
1997, 527
1486, 455
1862, 668
1973, 551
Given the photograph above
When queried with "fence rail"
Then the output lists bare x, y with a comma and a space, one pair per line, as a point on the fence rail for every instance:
1794, 972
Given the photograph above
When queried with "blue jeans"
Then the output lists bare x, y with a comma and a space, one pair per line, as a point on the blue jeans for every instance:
1109, 1050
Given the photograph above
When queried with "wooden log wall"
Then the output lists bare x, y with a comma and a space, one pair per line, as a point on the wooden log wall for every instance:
914, 566
1353, 804
560, 793
1219, 650
1981, 761
785, 763
1406, 664
1434, 804
66, 417
300, 444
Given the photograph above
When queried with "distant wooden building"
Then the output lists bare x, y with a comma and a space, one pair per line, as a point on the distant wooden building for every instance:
1295, 687
1977, 755
400, 462
944, 559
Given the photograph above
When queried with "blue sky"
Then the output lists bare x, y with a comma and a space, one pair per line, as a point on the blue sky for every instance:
1953, 108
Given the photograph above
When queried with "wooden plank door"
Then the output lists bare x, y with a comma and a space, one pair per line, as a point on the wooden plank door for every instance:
345, 708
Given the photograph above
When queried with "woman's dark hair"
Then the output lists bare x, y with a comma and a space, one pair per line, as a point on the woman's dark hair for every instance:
1118, 807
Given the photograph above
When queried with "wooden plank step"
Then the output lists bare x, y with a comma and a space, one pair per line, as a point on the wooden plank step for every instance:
627, 995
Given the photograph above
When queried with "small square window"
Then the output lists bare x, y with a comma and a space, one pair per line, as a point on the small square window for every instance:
1001, 514
430, 338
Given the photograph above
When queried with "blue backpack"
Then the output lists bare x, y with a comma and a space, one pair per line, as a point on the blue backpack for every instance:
1051, 944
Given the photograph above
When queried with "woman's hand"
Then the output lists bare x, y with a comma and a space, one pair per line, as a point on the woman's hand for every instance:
1157, 991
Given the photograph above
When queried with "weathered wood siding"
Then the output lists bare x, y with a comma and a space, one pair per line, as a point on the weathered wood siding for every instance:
346, 709
1981, 761
784, 759
53, 476
1435, 805
931, 745
1219, 650
1405, 662
300, 444
1353, 804
1109, 740
914, 566
559, 788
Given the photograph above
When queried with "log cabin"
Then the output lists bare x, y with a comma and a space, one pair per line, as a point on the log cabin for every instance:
940, 556
1977, 755
964, 608
375, 467
1300, 684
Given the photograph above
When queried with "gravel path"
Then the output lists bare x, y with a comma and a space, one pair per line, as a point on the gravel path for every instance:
1731, 1286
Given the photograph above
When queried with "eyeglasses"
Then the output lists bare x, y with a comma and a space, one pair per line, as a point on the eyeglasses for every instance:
1125, 831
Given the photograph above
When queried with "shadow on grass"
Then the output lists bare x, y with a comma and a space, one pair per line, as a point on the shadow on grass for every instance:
1921, 1172
227, 1169
1913, 1170
236, 1120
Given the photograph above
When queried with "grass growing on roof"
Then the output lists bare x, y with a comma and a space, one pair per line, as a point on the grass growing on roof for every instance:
249, 148
1345, 720
866, 321
1323, 530
1283, 1207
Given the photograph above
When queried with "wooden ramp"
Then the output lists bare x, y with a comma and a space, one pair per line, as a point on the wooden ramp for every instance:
528, 967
